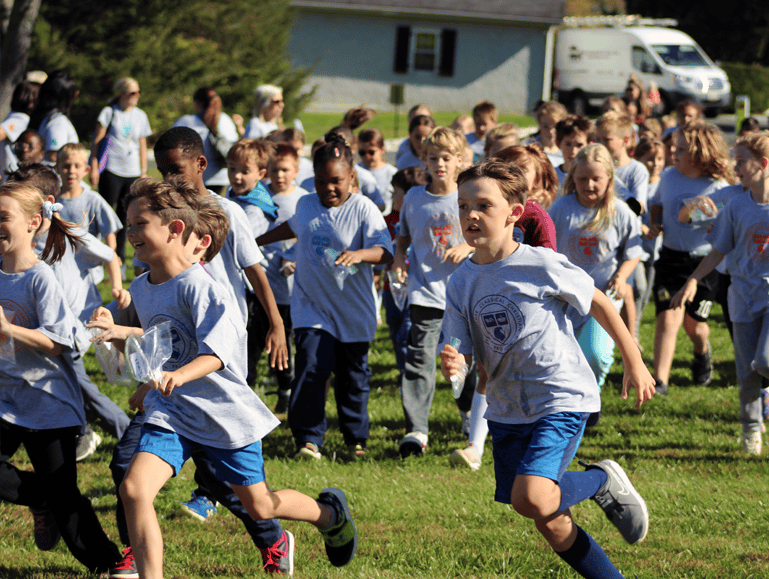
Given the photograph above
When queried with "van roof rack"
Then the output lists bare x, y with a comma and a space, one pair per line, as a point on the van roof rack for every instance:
618, 21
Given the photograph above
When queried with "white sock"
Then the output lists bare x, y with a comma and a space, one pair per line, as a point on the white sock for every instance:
479, 428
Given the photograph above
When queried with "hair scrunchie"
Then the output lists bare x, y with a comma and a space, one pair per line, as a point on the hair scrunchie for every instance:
50, 208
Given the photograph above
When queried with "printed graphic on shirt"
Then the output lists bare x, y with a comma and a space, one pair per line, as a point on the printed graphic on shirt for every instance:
585, 247
321, 238
500, 321
443, 232
758, 242
16, 315
184, 346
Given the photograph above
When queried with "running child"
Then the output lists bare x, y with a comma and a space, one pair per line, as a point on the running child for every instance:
548, 114
598, 233
415, 111
508, 304
500, 137
29, 148
702, 167
485, 117
430, 228
371, 148
572, 134
41, 403
334, 321
741, 231
419, 127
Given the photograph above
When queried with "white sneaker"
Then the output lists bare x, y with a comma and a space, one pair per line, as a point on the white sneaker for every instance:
463, 457
87, 444
465, 423
413, 444
751, 443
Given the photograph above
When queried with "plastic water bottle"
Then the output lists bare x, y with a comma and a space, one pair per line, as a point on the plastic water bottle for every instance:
458, 379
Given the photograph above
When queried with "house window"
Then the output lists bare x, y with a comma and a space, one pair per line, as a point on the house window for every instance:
425, 50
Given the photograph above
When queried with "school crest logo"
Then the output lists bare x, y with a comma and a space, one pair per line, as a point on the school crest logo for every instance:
184, 346
443, 232
321, 238
585, 247
757, 240
15, 314
500, 321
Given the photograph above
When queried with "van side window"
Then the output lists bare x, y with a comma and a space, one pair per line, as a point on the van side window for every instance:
644, 62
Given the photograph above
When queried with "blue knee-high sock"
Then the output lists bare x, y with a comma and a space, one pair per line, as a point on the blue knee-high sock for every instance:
587, 558
576, 486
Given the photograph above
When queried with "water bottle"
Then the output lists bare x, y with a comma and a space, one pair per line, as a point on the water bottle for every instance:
458, 379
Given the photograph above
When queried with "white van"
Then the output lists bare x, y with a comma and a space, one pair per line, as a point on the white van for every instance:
592, 63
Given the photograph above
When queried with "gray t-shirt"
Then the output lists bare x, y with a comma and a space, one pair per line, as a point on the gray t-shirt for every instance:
512, 315
317, 302
91, 210
599, 253
383, 178
14, 125
673, 192
39, 391
56, 130
216, 171
741, 231
432, 222
218, 410
635, 176
125, 128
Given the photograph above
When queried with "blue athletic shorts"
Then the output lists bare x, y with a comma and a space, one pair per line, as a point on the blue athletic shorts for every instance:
238, 466
543, 448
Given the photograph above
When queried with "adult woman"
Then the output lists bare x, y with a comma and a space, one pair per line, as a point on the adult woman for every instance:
635, 92
51, 116
119, 151
268, 107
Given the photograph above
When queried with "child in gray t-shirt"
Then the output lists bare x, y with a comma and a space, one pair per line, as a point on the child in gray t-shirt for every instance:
508, 305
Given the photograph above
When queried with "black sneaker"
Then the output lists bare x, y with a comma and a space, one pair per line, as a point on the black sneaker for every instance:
702, 368
622, 504
341, 539
45, 531
593, 419
284, 396
660, 388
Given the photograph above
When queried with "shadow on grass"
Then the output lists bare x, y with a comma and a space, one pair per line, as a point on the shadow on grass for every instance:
57, 571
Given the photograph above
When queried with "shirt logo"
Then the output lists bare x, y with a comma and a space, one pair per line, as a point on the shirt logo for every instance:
321, 238
585, 248
500, 321
758, 242
443, 232
183, 343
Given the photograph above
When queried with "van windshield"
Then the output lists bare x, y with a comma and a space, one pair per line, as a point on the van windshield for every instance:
680, 55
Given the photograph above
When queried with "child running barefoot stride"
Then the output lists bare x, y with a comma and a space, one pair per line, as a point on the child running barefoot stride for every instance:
508, 305
741, 231
202, 400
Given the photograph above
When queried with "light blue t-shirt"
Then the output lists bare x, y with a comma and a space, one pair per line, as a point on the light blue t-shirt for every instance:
317, 302
403, 148
384, 184
256, 129
476, 145
741, 232
125, 128
599, 253
651, 246
635, 177
305, 172
56, 130
513, 315
218, 410
13, 125
432, 223
216, 171
408, 159
90, 210
39, 391
673, 192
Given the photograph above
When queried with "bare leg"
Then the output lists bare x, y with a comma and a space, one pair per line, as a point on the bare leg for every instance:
538, 498
263, 503
668, 324
698, 332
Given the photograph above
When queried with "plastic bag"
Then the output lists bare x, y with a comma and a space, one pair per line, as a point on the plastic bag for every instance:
7, 345
145, 355
340, 271
113, 367
399, 290
458, 379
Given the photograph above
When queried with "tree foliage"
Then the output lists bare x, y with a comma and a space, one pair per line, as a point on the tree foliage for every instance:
172, 47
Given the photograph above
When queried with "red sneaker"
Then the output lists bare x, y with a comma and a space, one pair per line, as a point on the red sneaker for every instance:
280, 557
126, 567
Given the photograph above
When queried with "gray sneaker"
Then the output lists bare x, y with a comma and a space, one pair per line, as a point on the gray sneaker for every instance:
622, 504
87, 444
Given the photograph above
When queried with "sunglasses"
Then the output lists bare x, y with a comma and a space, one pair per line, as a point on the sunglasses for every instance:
366, 152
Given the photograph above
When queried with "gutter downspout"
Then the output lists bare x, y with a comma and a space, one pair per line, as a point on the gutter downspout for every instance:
547, 76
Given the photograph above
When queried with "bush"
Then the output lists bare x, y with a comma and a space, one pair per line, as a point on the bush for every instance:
751, 80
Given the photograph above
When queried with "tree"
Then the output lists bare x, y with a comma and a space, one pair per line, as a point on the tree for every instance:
171, 47
16, 26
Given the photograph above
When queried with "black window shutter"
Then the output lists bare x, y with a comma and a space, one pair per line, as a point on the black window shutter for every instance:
448, 52
402, 38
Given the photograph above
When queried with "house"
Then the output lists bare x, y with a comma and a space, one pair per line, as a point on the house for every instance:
450, 54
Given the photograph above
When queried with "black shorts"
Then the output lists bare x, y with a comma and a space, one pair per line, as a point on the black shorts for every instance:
672, 269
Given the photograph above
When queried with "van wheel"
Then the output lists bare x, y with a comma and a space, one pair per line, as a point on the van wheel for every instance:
579, 104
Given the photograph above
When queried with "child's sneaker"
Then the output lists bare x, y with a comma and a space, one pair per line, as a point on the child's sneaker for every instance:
342, 538
413, 444
284, 396
280, 557
199, 507
660, 388
356, 451
308, 452
45, 531
465, 457
622, 504
126, 567
751, 443
702, 368
87, 444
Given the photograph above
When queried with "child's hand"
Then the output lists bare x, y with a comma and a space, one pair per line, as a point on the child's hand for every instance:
122, 297
458, 253
102, 313
136, 401
94, 177
452, 361
704, 204
287, 268
276, 347
348, 257
111, 331
167, 384
238, 120
400, 268
617, 288
638, 377
685, 294
655, 230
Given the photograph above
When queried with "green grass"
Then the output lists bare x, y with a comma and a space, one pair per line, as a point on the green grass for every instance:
316, 124
419, 518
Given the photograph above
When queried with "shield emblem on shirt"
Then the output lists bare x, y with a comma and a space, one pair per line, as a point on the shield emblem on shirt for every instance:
499, 320
498, 323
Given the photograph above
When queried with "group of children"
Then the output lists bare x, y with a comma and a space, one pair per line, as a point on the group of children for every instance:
523, 265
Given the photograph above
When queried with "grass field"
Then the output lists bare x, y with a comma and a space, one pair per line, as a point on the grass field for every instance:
418, 518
